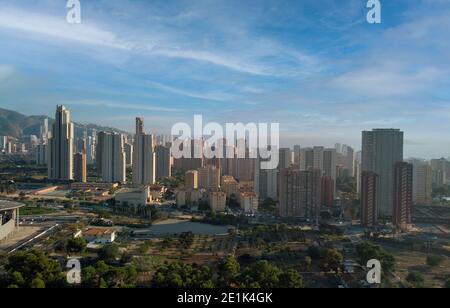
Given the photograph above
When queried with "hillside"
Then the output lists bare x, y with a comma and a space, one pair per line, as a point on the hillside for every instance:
16, 125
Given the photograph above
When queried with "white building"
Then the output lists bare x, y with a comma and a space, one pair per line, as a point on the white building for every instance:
60, 166
134, 196
100, 235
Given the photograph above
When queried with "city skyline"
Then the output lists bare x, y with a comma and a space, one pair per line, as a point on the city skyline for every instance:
334, 74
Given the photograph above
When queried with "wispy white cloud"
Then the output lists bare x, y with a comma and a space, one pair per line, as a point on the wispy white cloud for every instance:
209, 96
120, 105
57, 27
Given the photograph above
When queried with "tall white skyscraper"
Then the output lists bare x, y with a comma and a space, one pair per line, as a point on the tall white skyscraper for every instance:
144, 158
60, 161
113, 158
381, 150
3, 142
44, 132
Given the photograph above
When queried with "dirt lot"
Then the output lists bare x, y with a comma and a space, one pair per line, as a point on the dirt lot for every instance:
414, 261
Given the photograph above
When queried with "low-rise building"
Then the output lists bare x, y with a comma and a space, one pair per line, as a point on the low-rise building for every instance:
9, 218
133, 196
100, 235
157, 192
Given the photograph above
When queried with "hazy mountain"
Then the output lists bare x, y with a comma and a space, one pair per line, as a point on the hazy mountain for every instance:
16, 125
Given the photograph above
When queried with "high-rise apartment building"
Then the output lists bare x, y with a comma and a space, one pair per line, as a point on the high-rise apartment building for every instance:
191, 180
209, 177
144, 160
129, 153
381, 150
163, 162
80, 169
423, 184
403, 186
369, 195
329, 166
327, 188
60, 160
443, 165
300, 193
285, 158
42, 154
113, 161
297, 155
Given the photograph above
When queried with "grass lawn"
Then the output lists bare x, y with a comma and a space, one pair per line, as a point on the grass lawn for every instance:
28, 210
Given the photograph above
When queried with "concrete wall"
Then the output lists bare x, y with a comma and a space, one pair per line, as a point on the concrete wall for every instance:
7, 229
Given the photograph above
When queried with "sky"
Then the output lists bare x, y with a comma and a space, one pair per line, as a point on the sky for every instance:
314, 66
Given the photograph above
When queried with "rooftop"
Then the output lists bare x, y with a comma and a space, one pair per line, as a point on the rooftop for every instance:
97, 232
8, 205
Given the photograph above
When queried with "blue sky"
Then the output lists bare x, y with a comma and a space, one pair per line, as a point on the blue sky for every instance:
315, 66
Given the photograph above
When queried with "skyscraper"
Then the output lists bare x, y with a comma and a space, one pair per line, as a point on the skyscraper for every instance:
369, 195
403, 185
113, 161
300, 193
163, 162
327, 191
329, 166
312, 158
208, 177
42, 154
297, 155
129, 153
285, 158
423, 184
60, 166
80, 169
44, 135
381, 150
144, 160
191, 180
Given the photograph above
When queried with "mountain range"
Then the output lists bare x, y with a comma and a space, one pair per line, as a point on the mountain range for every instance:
17, 125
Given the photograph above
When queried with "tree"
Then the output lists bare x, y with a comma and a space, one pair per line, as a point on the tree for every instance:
182, 276
76, 245
229, 269
261, 273
32, 269
368, 251
38, 283
433, 261
307, 263
109, 253
187, 239
291, 279
331, 260
269, 205
313, 252
447, 284
416, 279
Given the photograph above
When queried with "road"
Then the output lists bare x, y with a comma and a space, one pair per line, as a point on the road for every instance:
34, 239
